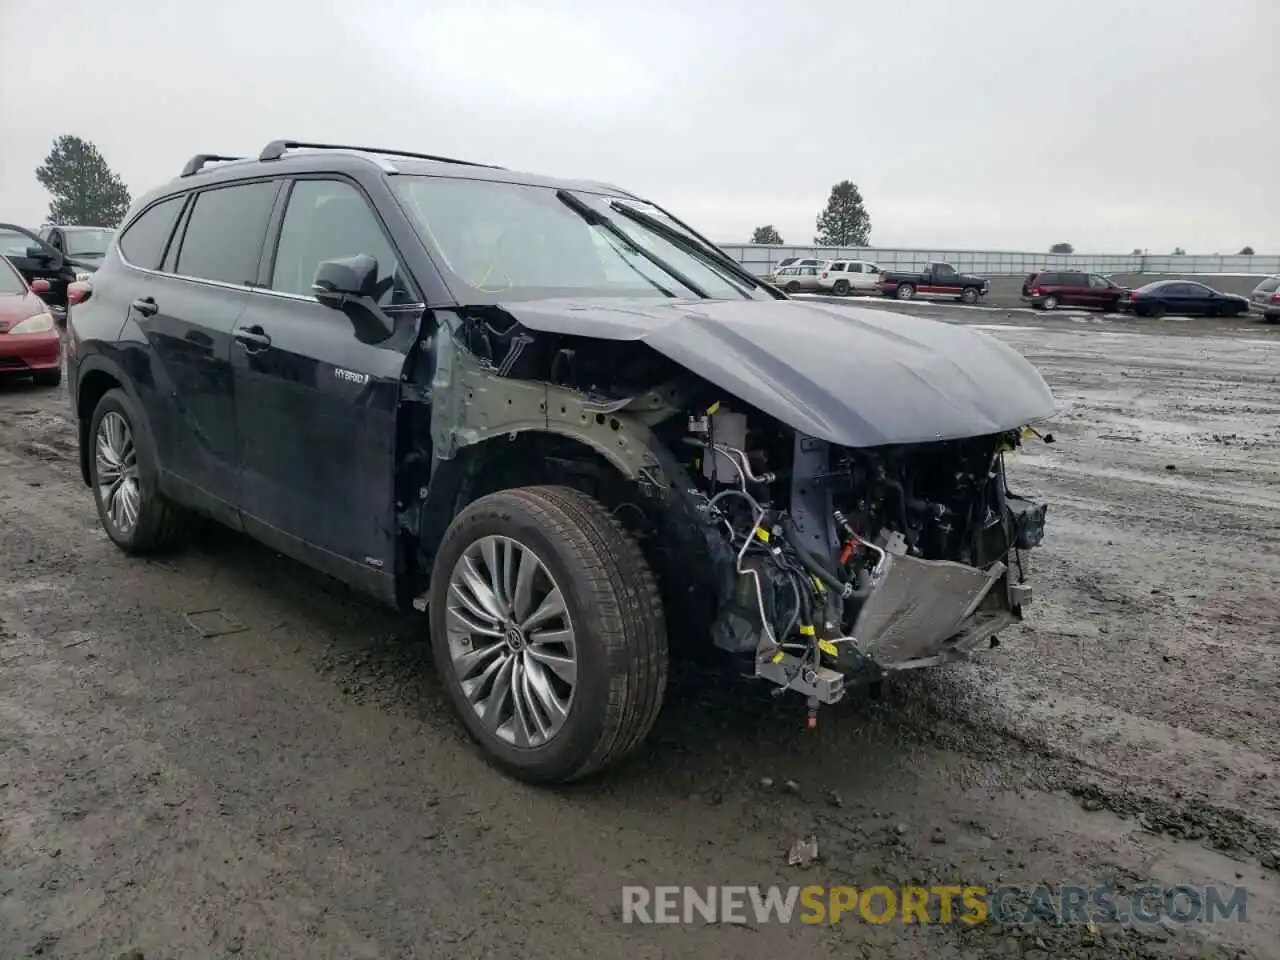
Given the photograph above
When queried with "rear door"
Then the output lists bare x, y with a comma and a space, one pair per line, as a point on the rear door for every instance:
315, 407
186, 310
1075, 290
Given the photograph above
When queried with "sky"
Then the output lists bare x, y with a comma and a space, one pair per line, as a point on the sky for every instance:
991, 124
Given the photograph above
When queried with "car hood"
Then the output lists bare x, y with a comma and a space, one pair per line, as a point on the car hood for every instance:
15, 307
850, 376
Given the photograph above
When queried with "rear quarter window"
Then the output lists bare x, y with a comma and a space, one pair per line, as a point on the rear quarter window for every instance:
1268, 286
144, 241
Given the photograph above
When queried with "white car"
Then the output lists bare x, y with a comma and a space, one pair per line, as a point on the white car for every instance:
843, 277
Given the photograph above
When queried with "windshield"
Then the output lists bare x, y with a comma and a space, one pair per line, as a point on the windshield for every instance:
87, 243
10, 280
507, 241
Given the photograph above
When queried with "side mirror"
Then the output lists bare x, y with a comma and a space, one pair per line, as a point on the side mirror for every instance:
351, 285
40, 286
38, 253
336, 280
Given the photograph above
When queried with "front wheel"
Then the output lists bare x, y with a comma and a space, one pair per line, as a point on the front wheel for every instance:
548, 632
906, 291
137, 517
969, 295
792, 287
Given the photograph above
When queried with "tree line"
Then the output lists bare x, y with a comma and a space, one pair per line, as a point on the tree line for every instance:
843, 222
83, 189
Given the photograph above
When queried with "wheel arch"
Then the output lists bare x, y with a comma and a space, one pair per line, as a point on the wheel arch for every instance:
95, 377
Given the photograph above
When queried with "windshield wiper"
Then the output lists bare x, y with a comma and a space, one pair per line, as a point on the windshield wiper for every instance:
690, 244
598, 219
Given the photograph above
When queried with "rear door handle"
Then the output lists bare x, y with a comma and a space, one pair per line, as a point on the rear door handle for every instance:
254, 339
146, 306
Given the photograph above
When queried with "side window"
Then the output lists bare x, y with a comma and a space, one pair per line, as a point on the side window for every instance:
144, 240
1098, 283
224, 234
855, 268
329, 220
836, 267
944, 270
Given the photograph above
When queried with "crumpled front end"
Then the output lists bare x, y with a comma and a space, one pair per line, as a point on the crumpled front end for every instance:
853, 563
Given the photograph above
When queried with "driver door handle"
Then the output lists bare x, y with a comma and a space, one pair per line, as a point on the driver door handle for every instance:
254, 339
146, 306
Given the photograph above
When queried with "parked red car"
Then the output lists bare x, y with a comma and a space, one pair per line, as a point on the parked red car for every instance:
1071, 288
29, 341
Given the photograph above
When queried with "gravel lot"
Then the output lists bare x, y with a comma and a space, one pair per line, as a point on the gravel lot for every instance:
297, 789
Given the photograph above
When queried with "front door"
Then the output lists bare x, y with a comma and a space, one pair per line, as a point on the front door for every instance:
315, 407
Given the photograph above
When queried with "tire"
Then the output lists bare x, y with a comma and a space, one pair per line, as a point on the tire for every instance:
969, 295
1049, 303
1155, 311
792, 287
841, 288
906, 291
1271, 317
158, 523
47, 378
613, 612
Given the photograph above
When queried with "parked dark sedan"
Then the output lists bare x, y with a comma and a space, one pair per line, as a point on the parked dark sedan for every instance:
1183, 298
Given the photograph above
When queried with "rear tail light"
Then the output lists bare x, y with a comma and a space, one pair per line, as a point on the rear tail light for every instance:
823, 275
1133, 296
1036, 292
1275, 298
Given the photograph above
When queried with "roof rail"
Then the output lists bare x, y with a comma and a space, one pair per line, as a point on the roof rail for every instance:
277, 149
196, 163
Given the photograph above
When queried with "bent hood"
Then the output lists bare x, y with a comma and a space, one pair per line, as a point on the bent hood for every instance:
852, 376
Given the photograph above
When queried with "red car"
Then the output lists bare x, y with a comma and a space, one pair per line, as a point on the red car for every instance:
30, 345
1051, 289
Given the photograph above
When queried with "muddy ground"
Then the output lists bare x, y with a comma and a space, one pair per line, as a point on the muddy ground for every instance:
298, 790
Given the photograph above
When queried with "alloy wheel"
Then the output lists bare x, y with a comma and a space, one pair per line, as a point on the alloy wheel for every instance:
511, 641
117, 464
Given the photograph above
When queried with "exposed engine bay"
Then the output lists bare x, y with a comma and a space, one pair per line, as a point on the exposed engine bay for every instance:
853, 562
823, 565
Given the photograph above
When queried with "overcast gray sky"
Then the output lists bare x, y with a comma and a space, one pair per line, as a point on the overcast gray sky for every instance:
996, 124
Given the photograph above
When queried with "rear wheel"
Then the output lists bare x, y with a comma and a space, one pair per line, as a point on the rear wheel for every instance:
841, 288
548, 632
969, 295
137, 517
1050, 302
906, 291
1156, 311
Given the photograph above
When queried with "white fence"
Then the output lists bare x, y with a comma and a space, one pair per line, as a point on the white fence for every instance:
759, 259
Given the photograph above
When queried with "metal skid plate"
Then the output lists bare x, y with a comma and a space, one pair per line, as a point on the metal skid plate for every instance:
918, 606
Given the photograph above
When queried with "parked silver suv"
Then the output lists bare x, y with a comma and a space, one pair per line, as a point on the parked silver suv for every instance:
1265, 299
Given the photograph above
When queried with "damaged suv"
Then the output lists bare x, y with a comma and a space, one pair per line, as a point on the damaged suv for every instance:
559, 422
